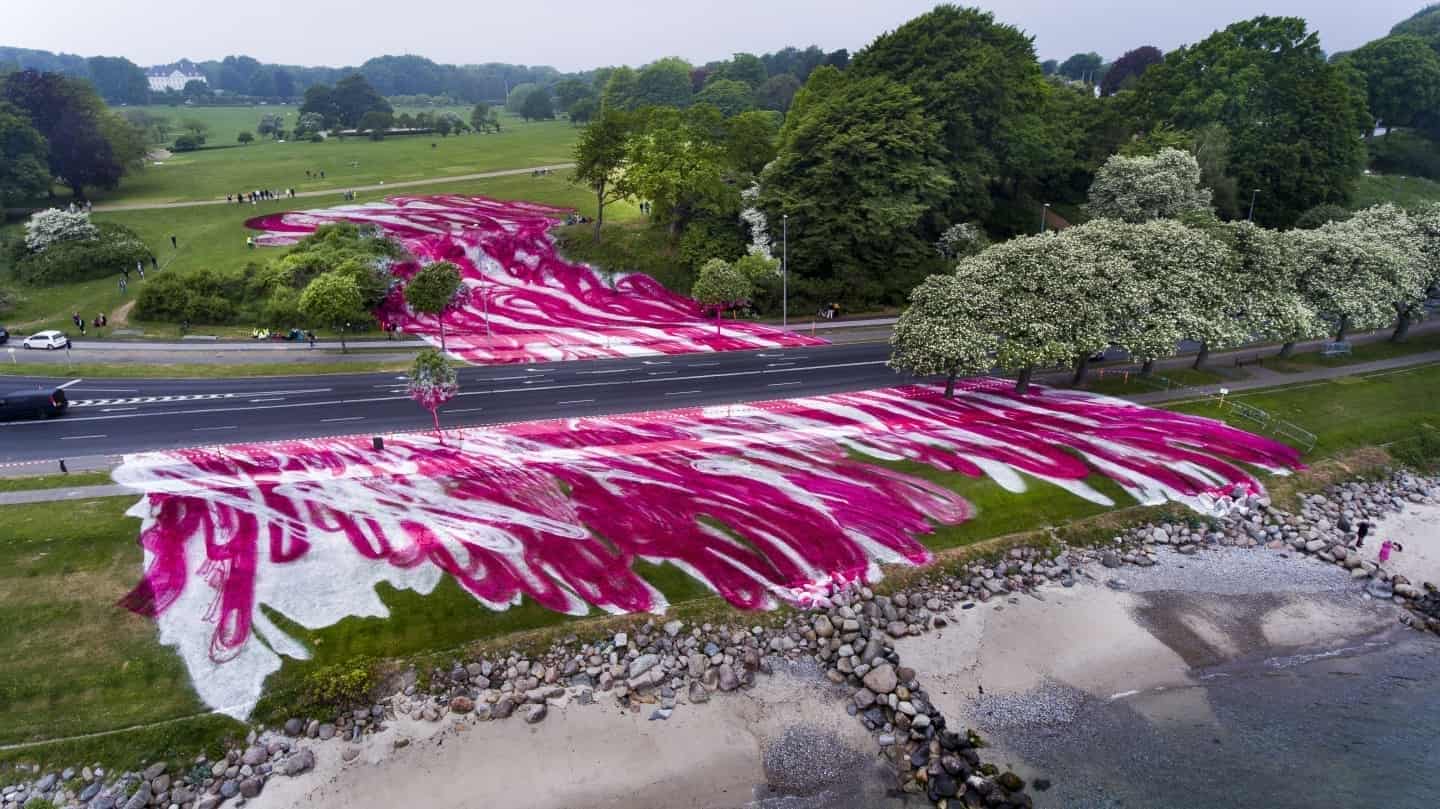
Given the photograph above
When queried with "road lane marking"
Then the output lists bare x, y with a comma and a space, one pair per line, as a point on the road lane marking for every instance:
342, 418
68, 384
777, 364
608, 371
660, 373
576, 401
702, 365
680, 392
781, 384
466, 410
272, 399
206, 429
107, 390
78, 437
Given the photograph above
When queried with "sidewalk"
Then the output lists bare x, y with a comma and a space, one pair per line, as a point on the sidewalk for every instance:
1268, 378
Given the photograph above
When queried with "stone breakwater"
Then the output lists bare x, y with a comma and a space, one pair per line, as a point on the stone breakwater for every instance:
660, 667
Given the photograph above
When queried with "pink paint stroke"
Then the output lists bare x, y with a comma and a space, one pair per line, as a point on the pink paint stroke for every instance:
778, 501
541, 307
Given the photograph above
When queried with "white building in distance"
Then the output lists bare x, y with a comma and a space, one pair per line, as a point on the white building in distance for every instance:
172, 77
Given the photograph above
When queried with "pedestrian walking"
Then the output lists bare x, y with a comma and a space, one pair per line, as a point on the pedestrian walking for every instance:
1362, 531
311, 336
154, 262
174, 243
140, 268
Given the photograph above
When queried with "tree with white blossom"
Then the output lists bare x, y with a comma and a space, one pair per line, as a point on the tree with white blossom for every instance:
53, 225
754, 219
1266, 270
1348, 275
1137, 189
945, 330
433, 382
960, 240
1412, 273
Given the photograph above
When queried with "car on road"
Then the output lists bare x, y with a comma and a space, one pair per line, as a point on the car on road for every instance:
4, 336
47, 340
37, 402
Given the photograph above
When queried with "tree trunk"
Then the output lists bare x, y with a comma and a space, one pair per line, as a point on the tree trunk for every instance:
1340, 333
717, 321
1082, 369
1022, 385
435, 416
1287, 350
442, 333
1201, 357
599, 210
1147, 368
950, 382
1402, 327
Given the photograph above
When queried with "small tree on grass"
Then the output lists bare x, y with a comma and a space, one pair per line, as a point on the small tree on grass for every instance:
600, 161
722, 286
944, 331
333, 300
245, 138
433, 382
433, 291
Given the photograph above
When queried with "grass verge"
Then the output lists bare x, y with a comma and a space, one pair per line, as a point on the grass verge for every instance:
38, 482
191, 371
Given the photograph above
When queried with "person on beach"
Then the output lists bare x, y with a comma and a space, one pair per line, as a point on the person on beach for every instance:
1387, 547
1362, 531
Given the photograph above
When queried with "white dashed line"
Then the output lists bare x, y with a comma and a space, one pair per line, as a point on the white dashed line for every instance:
576, 401
208, 429
680, 392
344, 418
78, 437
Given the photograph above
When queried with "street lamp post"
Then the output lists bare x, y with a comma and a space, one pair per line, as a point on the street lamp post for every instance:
785, 271
1044, 211
1251, 216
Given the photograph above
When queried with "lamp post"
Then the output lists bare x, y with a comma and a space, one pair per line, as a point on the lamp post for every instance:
785, 271
1044, 211
1251, 216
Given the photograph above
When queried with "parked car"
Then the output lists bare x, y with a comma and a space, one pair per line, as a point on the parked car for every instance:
4, 336
47, 340
38, 402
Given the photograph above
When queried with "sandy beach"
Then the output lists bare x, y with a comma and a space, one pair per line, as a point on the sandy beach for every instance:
1418, 529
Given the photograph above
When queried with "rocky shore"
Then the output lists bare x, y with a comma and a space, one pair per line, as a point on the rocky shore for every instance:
657, 669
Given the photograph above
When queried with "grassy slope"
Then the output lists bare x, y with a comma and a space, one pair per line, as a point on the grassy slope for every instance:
63, 572
1407, 192
214, 236
29, 484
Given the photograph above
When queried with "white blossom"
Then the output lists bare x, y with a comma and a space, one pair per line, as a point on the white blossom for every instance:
755, 219
1138, 189
55, 225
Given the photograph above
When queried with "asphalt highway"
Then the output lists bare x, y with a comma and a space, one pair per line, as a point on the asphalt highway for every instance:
112, 416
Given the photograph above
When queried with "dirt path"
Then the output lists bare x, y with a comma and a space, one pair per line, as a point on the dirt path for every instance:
121, 316
330, 193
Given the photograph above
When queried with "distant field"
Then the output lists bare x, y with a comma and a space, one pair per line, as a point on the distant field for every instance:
1406, 192
214, 236
211, 173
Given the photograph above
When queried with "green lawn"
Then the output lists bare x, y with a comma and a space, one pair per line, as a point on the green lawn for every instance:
1406, 192
1367, 352
1121, 381
211, 371
30, 484
214, 236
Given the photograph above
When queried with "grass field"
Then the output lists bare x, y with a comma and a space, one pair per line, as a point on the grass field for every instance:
30, 484
214, 236
225, 167
72, 662
1406, 192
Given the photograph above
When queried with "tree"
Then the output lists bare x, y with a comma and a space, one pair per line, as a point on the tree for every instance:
600, 160
778, 91
23, 158
54, 225
537, 106
750, 142
728, 96
1138, 189
620, 90
196, 90
271, 124
187, 143
584, 111
1267, 272
664, 83
859, 168
980, 81
480, 118
1050, 67
961, 240
1294, 120
945, 330
353, 97
333, 300
746, 68
310, 124
676, 159
376, 123
1424, 23
720, 286
118, 80
72, 119
245, 138
1412, 272
515, 101
1082, 66
1128, 69
433, 290
1402, 78
320, 100
196, 127
433, 382
1347, 276
570, 92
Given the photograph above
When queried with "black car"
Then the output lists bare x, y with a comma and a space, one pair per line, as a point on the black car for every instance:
37, 402
4, 336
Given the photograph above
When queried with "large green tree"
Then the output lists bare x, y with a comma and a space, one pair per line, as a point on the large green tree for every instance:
353, 97
676, 159
1294, 120
979, 80
727, 95
620, 89
24, 171
537, 106
1138, 189
860, 168
664, 83
433, 290
74, 122
333, 300
600, 156
1402, 78
118, 80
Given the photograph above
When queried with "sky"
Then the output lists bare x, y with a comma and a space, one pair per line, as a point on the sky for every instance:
579, 35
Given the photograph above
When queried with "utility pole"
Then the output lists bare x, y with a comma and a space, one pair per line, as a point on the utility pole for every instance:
1251, 217
785, 271
1044, 211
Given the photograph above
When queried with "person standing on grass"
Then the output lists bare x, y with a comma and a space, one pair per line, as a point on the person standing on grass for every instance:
174, 243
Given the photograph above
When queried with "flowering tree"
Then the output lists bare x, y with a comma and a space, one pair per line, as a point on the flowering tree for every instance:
52, 225
755, 219
433, 382
1427, 225
1347, 275
1266, 270
1138, 189
433, 291
945, 330
722, 286
960, 240
1410, 269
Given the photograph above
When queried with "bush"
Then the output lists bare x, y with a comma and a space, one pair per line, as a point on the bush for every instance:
331, 688
114, 249
708, 238
204, 296
1321, 215
54, 225
188, 143
1422, 452
1406, 153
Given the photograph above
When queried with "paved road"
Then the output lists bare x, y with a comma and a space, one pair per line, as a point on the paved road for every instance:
332, 192
125, 415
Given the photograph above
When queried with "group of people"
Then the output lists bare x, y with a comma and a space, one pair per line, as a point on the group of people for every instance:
315, 175
831, 312
576, 219
540, 173
139, 270
1387, 547
100, 322
84, 207
292, 334
258, 196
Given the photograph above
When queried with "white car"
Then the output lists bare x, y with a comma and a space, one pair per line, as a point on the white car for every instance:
47, 340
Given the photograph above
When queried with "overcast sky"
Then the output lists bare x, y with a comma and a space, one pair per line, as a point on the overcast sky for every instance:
578, 35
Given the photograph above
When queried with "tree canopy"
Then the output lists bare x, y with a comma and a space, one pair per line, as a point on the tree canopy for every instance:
1138, 189
89, 146
1402, 78
1128, 69
24, 156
